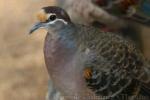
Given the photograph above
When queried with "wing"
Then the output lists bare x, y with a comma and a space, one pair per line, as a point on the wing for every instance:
117, 68
143, 76
108, 81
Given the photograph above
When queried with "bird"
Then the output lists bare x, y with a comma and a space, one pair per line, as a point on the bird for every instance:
86, 63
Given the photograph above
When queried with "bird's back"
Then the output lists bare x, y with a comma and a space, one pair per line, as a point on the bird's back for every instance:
122, 61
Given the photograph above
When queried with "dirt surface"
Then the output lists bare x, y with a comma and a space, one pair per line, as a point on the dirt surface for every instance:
23, 74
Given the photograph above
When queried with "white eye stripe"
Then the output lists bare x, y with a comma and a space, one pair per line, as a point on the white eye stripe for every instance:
48, 15
52, 22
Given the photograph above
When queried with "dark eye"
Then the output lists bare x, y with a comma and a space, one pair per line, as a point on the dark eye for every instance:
52, 17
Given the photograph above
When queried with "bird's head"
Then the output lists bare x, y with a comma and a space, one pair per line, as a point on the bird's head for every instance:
51, 18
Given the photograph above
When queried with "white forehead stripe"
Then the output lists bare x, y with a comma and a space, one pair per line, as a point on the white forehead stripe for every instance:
48, 15
52, 22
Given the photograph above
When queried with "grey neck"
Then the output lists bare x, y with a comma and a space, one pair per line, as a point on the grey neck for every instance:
67, 35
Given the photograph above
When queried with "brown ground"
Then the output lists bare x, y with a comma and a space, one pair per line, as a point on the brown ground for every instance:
23, 75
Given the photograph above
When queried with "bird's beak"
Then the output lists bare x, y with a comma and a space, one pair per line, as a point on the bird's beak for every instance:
37, 26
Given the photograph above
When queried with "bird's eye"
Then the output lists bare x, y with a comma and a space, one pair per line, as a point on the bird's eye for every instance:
52, 17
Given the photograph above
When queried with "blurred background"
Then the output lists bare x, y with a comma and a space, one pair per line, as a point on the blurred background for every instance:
23, 74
